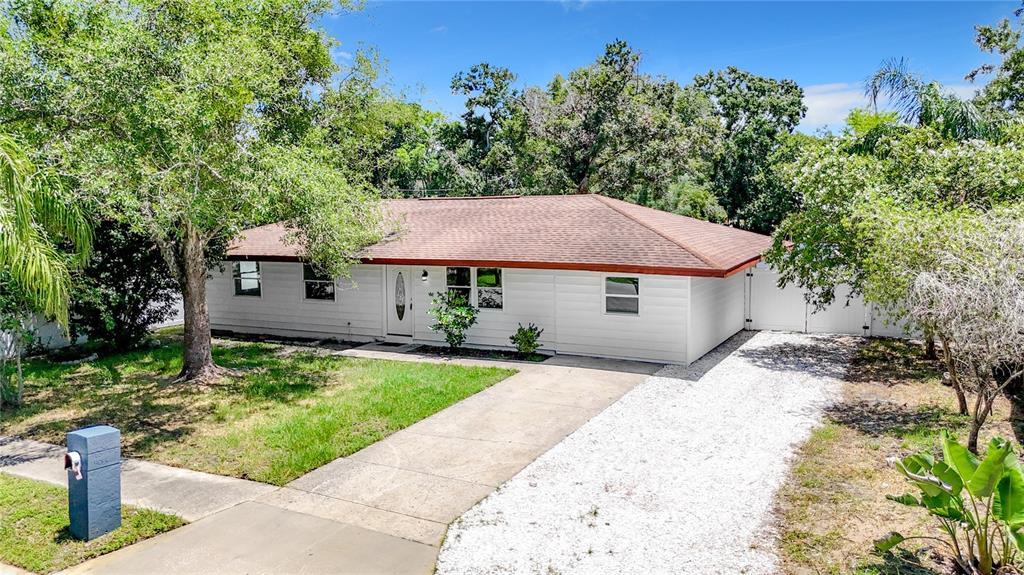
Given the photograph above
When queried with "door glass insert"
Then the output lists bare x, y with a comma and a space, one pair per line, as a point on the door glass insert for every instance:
400, 296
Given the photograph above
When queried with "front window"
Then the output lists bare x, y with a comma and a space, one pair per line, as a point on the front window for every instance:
457, 281
480, 286
317, 285
247, 278
622, 295
488, 288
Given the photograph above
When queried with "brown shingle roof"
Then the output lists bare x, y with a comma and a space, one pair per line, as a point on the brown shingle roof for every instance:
584, 232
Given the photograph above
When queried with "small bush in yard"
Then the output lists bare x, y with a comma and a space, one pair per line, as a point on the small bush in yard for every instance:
979, 504
453, 316
526, 339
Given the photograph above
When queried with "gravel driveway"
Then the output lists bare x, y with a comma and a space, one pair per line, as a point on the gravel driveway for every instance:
678, 476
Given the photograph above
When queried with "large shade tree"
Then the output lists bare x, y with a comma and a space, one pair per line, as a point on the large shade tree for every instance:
759, 115
892, 221
610, 129
190, 121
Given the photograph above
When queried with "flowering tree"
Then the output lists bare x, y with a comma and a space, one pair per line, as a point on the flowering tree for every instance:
973, 295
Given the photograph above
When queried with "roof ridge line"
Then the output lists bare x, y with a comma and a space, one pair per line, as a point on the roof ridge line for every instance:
683, 246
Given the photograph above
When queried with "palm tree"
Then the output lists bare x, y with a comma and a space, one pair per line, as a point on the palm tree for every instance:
35, 215
928, 104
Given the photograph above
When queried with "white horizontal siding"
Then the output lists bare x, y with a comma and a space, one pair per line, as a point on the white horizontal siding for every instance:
567, 305
716, 312
657, 333
355, 314
528, 297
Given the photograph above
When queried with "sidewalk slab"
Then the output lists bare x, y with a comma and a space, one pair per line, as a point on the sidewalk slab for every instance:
491, 417
413, 493
484, 462
188, 494
254, 539
387, 522
6, 569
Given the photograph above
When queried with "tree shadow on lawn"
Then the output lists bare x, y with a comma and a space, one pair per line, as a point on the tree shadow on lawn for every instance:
1017, 417
887, 418
891, 362
903, 562
136, 392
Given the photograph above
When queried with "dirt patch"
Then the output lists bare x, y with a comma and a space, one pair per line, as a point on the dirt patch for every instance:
833, 507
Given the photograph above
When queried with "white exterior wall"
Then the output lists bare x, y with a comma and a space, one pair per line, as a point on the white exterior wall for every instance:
356, 314
527, 296
568, 305
46, 335
716, 312
657, 333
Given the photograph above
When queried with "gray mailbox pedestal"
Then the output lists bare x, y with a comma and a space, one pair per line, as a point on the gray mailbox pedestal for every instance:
94, 501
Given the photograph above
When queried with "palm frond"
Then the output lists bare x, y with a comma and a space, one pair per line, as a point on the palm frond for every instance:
903, 88
34, 213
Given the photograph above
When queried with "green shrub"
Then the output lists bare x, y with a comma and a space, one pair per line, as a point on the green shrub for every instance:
453, 316
979, 504
526, 339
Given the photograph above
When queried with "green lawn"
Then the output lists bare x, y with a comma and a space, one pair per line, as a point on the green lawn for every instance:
293, 412
34, 527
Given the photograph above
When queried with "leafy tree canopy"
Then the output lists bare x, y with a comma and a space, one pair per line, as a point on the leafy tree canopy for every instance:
189, 121
851, 200
757, 114
1005, 87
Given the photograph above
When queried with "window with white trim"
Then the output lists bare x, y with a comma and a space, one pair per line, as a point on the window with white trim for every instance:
247, 278
488, 288
622, 295
317, 285
458, 280
481, 287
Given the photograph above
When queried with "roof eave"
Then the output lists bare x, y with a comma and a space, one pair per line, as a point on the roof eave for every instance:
574, 266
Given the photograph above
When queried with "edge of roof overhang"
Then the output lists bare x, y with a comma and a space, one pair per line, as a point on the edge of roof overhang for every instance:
574, 266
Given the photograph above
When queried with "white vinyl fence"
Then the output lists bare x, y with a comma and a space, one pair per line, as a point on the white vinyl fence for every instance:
771, 308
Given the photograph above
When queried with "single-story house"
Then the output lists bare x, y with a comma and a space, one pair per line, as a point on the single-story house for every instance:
600, 276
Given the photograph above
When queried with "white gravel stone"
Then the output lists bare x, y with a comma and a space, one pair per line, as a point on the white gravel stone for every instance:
678, 476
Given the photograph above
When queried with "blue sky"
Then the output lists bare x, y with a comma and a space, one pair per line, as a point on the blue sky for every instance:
826, 47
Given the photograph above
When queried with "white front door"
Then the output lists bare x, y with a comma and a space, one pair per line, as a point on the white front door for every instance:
399, 300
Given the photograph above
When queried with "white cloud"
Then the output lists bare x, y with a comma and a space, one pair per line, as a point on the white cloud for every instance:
439, 29
963, 91
574, 5
829, 104
337, 53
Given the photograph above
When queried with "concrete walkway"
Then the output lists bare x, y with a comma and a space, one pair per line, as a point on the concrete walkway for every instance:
188, 494
384, 509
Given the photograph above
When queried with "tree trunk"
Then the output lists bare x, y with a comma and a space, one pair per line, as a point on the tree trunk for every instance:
197, 357
954, 378
982, 408
929, 347
972, 439
19, 394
